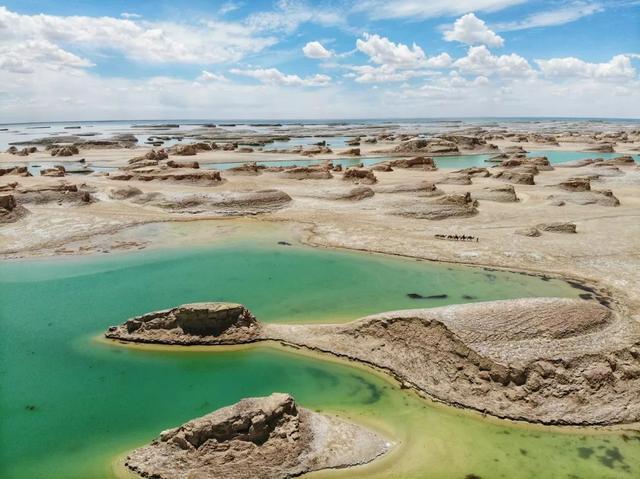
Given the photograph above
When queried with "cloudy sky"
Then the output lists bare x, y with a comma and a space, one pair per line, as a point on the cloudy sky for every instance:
90, 60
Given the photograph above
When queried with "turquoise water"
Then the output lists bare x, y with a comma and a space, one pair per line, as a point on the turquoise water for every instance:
34, 167
69, 404
344, 162
467, 161
459, 161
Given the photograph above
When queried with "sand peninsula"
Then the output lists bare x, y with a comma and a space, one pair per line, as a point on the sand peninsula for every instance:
388, 188
547, 360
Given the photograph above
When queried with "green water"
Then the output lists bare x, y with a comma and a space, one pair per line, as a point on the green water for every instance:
69, 405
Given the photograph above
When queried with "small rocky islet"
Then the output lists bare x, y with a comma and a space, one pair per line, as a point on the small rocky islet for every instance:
268, 438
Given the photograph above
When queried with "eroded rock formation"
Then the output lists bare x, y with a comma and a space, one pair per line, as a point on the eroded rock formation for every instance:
446, 206
196, 323
10, 211
359, 176
265, 438
550, 360
223, 203
502, 194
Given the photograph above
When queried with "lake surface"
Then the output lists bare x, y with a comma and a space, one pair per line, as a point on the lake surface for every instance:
69, 404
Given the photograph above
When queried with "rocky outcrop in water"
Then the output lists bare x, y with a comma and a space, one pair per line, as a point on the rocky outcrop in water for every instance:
351, 152
421, 145
419, 162
190, 149
541, 163
264, 438
64, 150
250, 168
56, 171
197, 323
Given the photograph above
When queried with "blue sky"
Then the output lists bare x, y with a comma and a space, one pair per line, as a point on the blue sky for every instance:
323, 59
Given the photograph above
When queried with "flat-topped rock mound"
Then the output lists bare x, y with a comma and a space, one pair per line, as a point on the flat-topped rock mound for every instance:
501, 193
422, 188
228, 203
356, 193
266, 437
48, 193
446, 206
418, 162
168, 173
590, 197
306, 173
550, 360
191, 324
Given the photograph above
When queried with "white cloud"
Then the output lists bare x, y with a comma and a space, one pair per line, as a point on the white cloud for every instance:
481, 61
208, 77
453, 87
384, 52
57, 95
34, 55
316, 50
273, 76
618, 68
228, 7
130, 15
471, 30
440, 61
290, 14
382, 74
559, 16
420, 9
213, 42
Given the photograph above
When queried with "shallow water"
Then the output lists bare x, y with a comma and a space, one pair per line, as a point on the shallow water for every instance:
458, 161
69, 405
554, 156
344, 162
